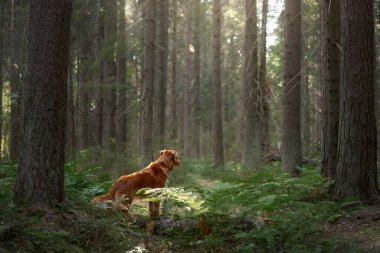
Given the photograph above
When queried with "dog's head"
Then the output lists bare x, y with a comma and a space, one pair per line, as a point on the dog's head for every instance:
169, 158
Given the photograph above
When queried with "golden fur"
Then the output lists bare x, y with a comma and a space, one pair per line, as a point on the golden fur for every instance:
155, 175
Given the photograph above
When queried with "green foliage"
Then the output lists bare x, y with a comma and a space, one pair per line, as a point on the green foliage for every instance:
84, 179
272, 212
268, 211
74, 226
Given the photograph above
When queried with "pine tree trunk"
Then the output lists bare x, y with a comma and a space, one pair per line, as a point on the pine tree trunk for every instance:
217, 123
15, 80
251, 89
121, 118
83, 96
70, 129
186, 82
291, 131
2, 12
100, 77
173, 84
40, 174
162, 72
197, 81
109, 98
148, 82
330, 85
264, 84
356, 170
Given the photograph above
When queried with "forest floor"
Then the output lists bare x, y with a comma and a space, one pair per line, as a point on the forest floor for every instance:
267, 211
363, 227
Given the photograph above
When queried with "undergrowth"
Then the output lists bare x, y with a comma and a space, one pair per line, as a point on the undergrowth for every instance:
268, 211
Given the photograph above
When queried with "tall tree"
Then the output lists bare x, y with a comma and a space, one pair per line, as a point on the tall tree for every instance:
16, 72
109, 87
264, 84
99, 99
197, 81
291, 156
40, 174
162, 70
357, 168
70, 132
84, 78
2, 8
121, 118
305, 91
148, 82
186, 81
251, 89
172, 103
330, 38
217, 123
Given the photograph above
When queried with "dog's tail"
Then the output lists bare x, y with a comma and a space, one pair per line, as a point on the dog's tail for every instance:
102, 198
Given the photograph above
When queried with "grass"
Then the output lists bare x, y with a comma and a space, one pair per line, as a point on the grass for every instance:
268, 211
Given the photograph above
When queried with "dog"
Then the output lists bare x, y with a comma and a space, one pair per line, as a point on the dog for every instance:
155, 175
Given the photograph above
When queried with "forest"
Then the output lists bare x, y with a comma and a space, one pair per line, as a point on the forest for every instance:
189, 126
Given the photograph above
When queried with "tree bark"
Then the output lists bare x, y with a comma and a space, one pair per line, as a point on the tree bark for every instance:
264, 84
109, 87
2, 12
251, 89
162, 72
83, 96
148, 82
173, 84
217, 123
40, 176
330, 85
70, 129
197, 81
356, 169
121, 118
291, 130
186, 82
17, 25
100, 76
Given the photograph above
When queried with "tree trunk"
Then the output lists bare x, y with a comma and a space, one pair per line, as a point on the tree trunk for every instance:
2, 12
15, 79
162, 72
83, 96
109, 91
173, 84
251, 89
197, 81
40, 174
121, 118
356, 170
70, 132
291, 131
264, 84
330, 85
217, 123
305, 97
186, 82
100, 77
148, 82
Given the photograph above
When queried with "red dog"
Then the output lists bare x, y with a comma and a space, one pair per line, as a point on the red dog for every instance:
155, 175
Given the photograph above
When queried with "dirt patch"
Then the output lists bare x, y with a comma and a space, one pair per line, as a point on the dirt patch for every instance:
362, 226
